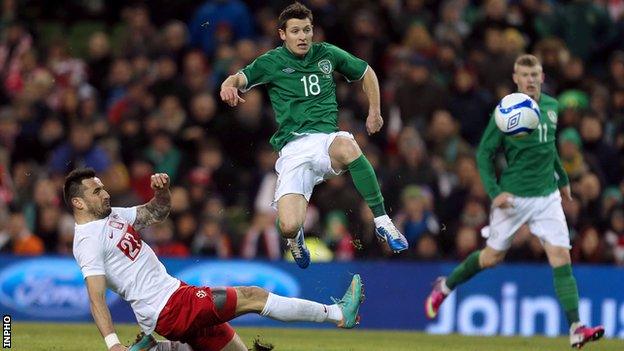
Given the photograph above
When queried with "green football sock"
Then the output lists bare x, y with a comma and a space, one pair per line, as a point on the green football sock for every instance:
567, 292
466, 270
365, 181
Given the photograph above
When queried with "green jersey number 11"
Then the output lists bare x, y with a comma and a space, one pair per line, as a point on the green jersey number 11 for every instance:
542, 129
311, 85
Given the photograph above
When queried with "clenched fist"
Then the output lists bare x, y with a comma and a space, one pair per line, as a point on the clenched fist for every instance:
159, 181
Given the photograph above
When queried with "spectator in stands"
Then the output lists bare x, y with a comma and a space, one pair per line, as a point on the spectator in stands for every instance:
196, 72
216, 22
99, 59
594, 145
466, 241
17, 239
140, 36
615, 234
427, 248
445, 144
175, 41
185, 228
15, 45
588, 189
262, 239
163, 153
164, 243
416, 217
414, 167
589, 247
79, 151
571, 154
46, 221
418, 82
470, 104
337, 236
452, 28
211, 240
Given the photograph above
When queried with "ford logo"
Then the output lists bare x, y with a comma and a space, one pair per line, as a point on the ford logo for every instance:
46, 288
241, 273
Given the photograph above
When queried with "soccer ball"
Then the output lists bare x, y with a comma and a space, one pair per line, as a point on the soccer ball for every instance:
517, 115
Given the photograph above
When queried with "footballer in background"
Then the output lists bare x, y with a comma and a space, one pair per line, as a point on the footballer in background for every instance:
529, 191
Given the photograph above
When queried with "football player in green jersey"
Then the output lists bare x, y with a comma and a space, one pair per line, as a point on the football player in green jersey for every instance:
528, 192
299, 79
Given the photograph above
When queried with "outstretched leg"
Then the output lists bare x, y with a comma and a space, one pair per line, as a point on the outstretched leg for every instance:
343, 313
471, 266
346, 154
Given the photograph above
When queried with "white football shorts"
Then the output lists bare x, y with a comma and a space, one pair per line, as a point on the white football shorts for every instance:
304, 162
543, 214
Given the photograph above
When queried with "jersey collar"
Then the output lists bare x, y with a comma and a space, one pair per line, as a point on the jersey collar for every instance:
290, 53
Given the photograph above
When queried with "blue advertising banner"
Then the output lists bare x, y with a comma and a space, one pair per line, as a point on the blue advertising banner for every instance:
508, 300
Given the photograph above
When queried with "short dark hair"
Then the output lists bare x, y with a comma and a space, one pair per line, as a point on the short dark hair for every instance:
294, 10
527, 61
73, 183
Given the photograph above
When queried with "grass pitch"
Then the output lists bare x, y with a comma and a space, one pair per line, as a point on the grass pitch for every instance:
85, 337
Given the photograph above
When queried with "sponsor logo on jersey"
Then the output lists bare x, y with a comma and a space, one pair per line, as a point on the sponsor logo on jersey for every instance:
46, 288
201, 294
116, 225
552, 116
288, 70
325, 66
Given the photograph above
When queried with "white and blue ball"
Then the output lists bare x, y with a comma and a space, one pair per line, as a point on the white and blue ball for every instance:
517, 115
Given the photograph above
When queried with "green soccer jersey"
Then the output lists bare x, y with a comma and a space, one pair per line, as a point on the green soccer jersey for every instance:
533, 164
302, 89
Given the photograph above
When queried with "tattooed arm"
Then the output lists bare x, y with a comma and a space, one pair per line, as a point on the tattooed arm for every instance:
157, 209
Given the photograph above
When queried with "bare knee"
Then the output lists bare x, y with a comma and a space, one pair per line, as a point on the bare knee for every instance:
250, 299
557, 255
490, 258
344, 150
289, 227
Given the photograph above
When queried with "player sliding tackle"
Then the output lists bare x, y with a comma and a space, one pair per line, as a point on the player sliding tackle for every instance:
525, 193
299, 79
111, 253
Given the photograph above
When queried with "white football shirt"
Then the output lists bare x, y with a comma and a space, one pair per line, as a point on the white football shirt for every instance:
111, 247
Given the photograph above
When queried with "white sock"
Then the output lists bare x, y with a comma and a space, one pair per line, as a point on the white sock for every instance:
445, 289
167, 345
293, 241
290, 309
379, 221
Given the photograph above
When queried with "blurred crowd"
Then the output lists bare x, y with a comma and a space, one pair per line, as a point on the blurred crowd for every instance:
131, 88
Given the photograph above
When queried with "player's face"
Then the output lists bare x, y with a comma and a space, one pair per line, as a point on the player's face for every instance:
96, 199
529, 80
297, 36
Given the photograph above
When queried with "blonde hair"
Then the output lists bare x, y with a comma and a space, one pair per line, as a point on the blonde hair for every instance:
527, 60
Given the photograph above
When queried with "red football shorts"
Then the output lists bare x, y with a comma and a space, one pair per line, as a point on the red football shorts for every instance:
191, 316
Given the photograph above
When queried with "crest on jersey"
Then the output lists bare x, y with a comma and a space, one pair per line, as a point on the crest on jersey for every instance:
325, 66
552, 116
201, 294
